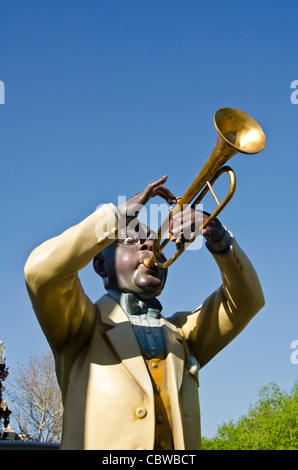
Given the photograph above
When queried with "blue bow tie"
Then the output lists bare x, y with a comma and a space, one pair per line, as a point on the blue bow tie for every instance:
133, 306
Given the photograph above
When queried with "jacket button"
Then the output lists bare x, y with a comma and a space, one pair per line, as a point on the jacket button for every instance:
161, 445
141, 412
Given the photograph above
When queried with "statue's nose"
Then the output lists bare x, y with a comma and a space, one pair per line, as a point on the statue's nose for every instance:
147, 245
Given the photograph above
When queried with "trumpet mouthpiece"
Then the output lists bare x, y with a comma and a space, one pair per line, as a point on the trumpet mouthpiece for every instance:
148, 262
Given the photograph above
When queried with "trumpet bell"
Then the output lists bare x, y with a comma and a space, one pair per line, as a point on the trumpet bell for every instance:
239, 130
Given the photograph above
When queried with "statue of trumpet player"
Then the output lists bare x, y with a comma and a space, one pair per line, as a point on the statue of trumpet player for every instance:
128, 375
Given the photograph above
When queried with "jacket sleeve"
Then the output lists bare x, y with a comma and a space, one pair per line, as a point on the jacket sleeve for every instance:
51, 274
222, 316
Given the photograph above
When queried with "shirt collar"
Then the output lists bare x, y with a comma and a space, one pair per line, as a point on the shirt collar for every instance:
131, 305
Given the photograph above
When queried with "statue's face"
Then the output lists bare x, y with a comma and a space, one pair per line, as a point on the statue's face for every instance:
123, 265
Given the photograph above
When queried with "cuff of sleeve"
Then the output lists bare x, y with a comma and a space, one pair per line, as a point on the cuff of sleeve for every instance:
120, 218
114, 209
222, 245
106, 223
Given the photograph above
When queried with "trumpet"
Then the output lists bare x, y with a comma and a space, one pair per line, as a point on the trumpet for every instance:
237, 133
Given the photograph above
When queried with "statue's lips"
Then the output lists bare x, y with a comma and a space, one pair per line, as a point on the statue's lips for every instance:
152, 271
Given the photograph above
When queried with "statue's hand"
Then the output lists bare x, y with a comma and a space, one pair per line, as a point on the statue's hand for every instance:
130, 209
189, 221
214, 231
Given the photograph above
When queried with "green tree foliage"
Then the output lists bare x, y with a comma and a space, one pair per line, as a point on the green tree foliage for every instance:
271, 424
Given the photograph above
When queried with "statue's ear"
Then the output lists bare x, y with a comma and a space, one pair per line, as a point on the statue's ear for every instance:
98, 265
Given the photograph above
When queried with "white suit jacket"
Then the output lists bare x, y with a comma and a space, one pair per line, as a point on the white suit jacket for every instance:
106, 388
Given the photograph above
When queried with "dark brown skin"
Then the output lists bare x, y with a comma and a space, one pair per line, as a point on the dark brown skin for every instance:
121, 263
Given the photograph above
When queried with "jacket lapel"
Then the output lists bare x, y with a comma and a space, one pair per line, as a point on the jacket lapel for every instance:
175, 370
123, 341
125, 344
175, 349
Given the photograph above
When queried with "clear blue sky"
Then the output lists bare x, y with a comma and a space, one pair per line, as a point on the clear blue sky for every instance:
103, 97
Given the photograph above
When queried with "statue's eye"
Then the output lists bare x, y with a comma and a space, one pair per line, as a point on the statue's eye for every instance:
129, 240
